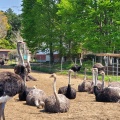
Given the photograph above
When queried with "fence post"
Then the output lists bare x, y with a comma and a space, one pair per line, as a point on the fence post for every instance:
61, 63
75, 61
93, 61
117, 69
113, 67
107, 65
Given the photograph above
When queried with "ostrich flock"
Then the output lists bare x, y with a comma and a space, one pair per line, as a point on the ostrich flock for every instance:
15, 83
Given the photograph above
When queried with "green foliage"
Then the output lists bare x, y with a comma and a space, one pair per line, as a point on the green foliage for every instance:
103, 32
14, 21
4, 26
56, 68
5, 44
8, 25
28, 30
71, 26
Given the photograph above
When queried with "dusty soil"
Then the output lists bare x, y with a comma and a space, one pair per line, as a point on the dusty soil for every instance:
84, 107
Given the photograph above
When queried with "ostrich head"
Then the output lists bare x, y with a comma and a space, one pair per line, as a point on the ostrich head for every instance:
95, 70
53, 75
70, 71
102, 72
41, 104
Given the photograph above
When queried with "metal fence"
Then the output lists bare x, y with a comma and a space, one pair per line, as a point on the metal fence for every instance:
113, 70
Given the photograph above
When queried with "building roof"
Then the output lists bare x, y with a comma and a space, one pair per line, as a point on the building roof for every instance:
108, 54
6, 50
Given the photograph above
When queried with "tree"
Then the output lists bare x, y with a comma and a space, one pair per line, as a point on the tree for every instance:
40, 28
4, 26
14, 21
71, 26
104, 27
28, 29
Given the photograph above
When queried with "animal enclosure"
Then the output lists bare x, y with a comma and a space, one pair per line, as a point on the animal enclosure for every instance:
83, 107
111, 62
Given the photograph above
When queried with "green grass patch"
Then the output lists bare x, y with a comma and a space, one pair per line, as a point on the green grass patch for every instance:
56, 68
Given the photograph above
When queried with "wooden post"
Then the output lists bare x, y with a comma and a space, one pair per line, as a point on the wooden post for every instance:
75, 61
61, 63
117, 69
113, 68
107, 65
93, 61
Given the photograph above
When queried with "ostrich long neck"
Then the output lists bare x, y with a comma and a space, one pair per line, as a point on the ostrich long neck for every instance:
93, 77
55, 92
96, 91
28, 61
22, 61
20, 54
69, 80
109, 80
85, 76
96, 75
25, 77
103, 80
80, 62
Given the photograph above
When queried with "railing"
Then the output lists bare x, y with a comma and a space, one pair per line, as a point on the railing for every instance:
113, 69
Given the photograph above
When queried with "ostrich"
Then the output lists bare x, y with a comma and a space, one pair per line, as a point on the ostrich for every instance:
10, 85
22, 96
57, 102
99, 66
21, 70
107, 94
68, 91
17, 70
2, 62
85, 86
29, 77
99, 83
113, 84
27, 64
36, 97
76, 68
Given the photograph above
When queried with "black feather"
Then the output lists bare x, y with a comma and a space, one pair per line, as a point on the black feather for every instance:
76, 68
70, 93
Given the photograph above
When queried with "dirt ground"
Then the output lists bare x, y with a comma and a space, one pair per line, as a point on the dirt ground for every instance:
84, 107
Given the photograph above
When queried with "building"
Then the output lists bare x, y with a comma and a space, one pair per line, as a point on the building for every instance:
4, 53
44, 56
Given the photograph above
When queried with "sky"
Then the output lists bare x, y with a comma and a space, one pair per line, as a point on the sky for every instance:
15, 5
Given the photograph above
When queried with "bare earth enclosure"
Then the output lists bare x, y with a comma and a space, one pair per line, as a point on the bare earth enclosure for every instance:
84, 107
